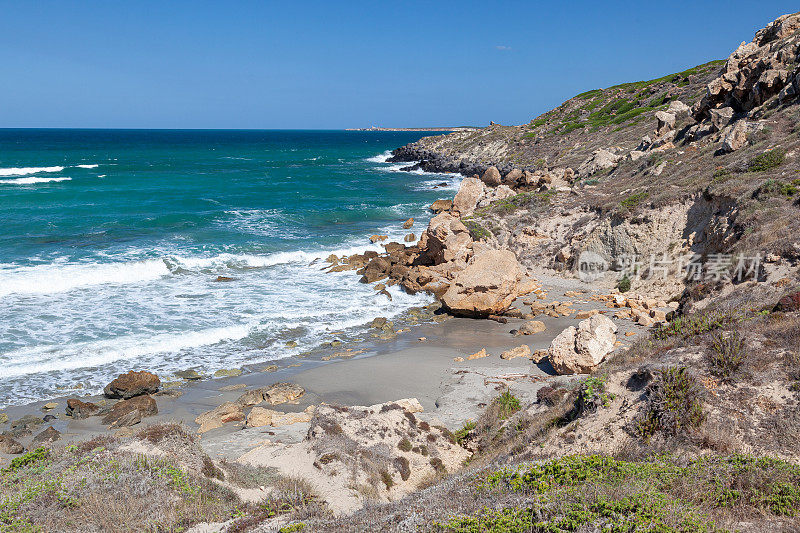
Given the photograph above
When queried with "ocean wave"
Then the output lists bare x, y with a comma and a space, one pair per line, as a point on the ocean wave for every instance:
445, 182
42, 359
22, 171
87, 166
31, 181
380, 158
63, 277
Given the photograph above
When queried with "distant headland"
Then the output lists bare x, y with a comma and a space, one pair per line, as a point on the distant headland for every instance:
376, 128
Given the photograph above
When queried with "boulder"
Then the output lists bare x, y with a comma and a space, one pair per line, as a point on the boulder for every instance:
469, 193
377, 238
491, 177
734, 136
678, 108
273, 395
10, 446
599, 160
132, 384
789, 303
441, 205
721, 117
513, 177
129, 412
666, 122
579, 350
446, 239
47, 436
487, 286
79, 410
408, 223
376, 270
410, 238
217, 417
189, 375
519, 351
531, 328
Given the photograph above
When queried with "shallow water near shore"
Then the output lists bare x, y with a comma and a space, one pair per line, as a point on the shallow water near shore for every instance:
113, 242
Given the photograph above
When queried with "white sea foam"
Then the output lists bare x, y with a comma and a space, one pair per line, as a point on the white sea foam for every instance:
87, 166
380, 158
43, 359
22, 171
31, 181
62, 277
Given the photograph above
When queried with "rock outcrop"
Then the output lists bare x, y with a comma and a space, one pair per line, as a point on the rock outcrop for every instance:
130, 412
446, 239
579, 350
469, 193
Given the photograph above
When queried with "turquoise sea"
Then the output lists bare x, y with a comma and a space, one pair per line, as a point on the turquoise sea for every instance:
112, 241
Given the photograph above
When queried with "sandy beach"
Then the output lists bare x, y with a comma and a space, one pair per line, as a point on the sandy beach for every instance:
451, 392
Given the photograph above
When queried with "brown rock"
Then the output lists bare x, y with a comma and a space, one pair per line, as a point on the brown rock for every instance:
410, 238
79, 410
491, 177
274, 394
408, 223
217, 417
469, 192
579, 350
538, 356
531, 328
586, 314
132, 384
377, 238
130, 412
47, 436
513, 177
10, 446
519, 351
441, 205
446, 239
260, 416
478, 355
487, 286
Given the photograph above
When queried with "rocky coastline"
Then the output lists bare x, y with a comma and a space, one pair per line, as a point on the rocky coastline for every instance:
532, 383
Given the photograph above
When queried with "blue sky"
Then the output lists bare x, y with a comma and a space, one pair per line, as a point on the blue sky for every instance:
337, 64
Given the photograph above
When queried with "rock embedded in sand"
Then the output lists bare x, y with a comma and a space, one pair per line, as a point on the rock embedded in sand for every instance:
487, 286
519, 351
47, 436
531, 328
228, 373
261, 416
579, 350
478, 355
79, 410
219, 416
586, 314
10, 446
132, 384
273, 395
130, 412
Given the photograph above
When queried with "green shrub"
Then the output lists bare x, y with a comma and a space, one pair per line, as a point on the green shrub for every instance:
727, 353
673, 404
632, 202
508, 403
462, 434
476, 231
767, 161
624, 284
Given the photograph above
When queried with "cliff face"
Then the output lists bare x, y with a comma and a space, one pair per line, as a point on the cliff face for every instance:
699, 162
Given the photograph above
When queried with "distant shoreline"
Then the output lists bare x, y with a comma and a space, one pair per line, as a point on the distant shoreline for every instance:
457, 128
